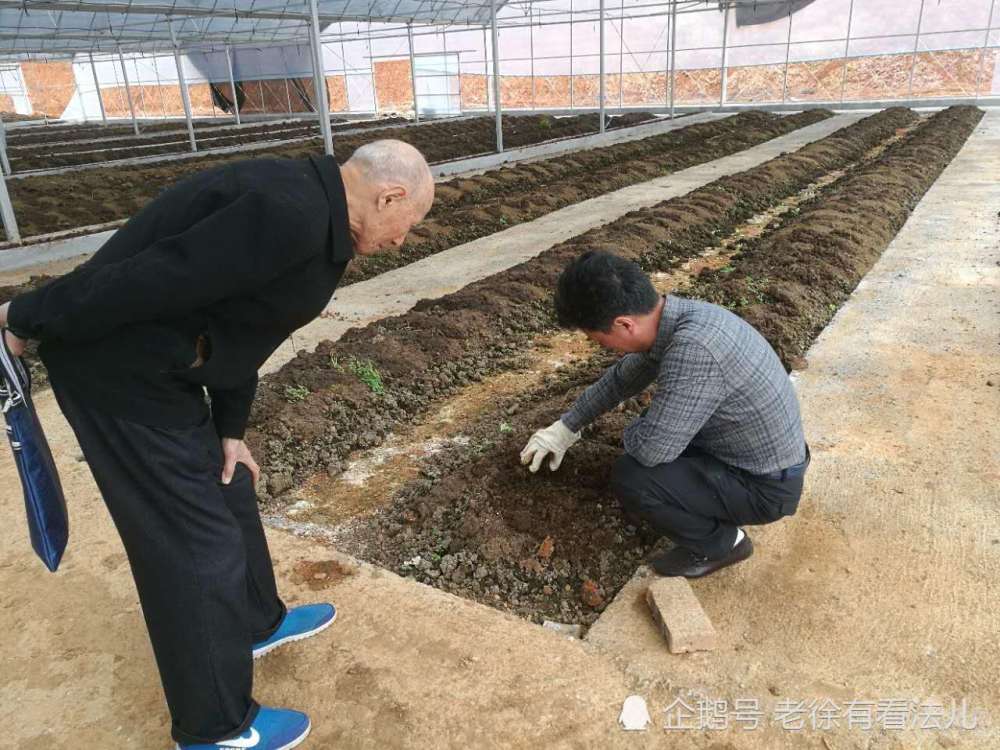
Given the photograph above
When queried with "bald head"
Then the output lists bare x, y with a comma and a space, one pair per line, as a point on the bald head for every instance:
389, 188
390, 162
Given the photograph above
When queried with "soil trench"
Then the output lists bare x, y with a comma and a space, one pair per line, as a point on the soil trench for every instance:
310, 414
367, 480
552, 545
54, 202
471, 207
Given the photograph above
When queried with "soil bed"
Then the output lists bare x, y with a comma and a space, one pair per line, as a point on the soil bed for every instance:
553, 545
83, 132
54, 202
72, 153
469, 208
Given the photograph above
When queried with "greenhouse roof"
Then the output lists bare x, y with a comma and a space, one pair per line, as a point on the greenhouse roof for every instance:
66, 27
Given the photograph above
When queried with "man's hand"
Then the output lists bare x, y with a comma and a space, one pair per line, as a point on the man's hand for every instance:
15, 343
236, 452
553, 441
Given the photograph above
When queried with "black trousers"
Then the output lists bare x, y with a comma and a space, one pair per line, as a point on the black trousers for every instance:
698, 501
199, 559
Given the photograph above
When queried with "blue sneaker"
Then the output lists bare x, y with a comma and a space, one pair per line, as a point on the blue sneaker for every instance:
300, 622
273, 729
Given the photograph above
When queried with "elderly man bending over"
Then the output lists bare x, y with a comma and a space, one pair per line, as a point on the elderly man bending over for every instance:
192, 295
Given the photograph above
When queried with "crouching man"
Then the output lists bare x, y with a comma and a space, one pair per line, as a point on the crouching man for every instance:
720, 446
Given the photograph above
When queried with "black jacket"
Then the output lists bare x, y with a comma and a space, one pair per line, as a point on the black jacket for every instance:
242, 254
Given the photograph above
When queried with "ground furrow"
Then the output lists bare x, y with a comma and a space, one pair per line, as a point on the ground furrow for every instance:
553, 545
317, 409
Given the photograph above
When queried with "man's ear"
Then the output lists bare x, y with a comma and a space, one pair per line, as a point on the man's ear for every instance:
389, 195
625, 323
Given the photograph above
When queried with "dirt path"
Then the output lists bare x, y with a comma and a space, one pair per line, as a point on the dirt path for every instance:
823, 611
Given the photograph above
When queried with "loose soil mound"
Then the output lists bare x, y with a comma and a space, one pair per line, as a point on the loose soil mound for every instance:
468, 208
315, 410
789, 284
50, 203
46, 155
550, 546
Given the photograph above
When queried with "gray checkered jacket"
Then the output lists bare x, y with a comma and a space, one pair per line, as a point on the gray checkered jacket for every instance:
719, 387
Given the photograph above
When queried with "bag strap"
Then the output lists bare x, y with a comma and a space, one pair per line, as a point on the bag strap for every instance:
16, 383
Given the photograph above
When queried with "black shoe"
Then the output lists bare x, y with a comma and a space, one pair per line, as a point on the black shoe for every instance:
683, 562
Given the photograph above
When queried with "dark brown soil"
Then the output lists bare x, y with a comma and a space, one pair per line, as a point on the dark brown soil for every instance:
49, 155
789, 284
84, 132
468, 208
476, 523
50, 203
441, 344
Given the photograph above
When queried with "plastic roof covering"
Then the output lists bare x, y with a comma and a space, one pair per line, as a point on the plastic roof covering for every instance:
65, 27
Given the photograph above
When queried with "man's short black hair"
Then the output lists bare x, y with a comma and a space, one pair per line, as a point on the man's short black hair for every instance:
599, 286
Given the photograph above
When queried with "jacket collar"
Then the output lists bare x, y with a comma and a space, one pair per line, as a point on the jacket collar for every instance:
341, 244
668, 322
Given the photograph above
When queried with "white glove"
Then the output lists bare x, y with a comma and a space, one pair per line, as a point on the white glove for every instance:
554, 440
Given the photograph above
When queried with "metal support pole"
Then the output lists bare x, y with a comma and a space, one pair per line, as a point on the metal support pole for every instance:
413, 72
322, 105
788, 50
6, 207
916, 44
97, 89
621, 58
371, 71
232, 84
7, 213
4, 161
673, 57
486, 68
572, 71
601, 87
496, 74
128, 92
724, 66
182, 83
986, 43
847, 46
531, 56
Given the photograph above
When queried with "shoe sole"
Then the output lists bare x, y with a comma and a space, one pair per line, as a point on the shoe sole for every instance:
264, 650
302, 737
288, 745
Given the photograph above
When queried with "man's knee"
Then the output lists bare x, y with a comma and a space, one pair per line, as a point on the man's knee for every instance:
630, 482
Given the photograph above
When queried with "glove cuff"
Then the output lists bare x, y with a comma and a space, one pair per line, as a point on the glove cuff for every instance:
563, 433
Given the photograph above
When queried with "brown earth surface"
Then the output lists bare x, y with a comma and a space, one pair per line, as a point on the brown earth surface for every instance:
55, 153
55, 202
477, 525
467, 208
315, 410
471, 207
81, 132
790, 283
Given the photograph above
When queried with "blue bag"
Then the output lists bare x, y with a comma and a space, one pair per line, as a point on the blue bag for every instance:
48, 522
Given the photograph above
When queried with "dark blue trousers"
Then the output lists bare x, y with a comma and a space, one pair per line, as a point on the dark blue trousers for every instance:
697, 501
